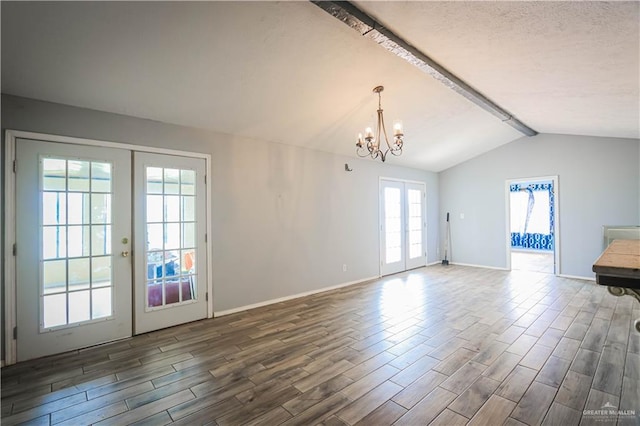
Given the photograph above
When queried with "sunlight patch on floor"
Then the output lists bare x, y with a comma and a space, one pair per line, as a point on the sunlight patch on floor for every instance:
531, 261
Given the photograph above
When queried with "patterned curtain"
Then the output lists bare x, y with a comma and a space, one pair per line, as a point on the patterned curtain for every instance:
535, 240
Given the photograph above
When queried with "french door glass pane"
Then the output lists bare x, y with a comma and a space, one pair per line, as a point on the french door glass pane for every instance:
170, 234
101, 271
54, 208
188, 182
415, 223
79, 310
54, 276
154, 208
100, 208
76, 241
103, 308
55, 310
100, 177
54, 242
79, 273
78, 208
393, 225
54, 174
78, 176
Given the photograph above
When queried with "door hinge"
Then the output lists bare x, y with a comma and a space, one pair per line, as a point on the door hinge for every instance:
15, 249
205, 179
15, 166
206, 296
205, 237
15, 333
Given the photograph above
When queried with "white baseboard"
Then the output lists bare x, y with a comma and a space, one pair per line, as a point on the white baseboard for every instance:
434, 263
577, 277
293, 296
479, 266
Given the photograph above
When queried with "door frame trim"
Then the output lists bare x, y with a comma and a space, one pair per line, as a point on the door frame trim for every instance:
556, 217
11, 136
417, 182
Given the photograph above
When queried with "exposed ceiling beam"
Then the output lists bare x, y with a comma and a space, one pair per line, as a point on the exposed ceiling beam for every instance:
369, 27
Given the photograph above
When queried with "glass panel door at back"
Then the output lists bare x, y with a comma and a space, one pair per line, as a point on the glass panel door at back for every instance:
72, 227
393, 236
415, 225
403, 226
171, 278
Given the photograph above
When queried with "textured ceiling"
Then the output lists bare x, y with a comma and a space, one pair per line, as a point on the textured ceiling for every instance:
561, 67
291, 73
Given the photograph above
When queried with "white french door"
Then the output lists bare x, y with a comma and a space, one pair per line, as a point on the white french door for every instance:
170, 235
73, 227
80, 257
402, 226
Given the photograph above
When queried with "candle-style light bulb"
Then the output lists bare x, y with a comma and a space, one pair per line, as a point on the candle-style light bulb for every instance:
397, 128
368, 133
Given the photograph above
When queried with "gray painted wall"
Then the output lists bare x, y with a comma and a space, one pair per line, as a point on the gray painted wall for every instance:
599, 184
285, 219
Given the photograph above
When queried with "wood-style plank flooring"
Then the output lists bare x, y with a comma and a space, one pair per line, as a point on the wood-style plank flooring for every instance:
438, 345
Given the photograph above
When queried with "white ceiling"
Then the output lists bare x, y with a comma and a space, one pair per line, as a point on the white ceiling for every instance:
291, 73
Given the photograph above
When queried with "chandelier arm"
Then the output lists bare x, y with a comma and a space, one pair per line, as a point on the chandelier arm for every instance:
397, 146
371, 147
360, 152
384, 130
378, 131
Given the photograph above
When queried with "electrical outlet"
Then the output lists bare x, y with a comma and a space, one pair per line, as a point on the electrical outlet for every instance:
344, 267
461, 215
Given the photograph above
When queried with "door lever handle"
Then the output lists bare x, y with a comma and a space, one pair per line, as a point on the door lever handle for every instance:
125, 253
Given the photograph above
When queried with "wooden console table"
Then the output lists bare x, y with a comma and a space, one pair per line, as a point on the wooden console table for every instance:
619, 268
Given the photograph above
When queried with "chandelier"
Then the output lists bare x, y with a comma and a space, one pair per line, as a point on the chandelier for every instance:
369, 145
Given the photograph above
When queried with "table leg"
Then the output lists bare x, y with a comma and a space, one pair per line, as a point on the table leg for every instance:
622, 291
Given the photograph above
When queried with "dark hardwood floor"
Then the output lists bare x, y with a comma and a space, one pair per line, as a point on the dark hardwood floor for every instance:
439, 345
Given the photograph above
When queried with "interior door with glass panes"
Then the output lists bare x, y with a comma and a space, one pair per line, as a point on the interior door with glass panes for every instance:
392, 212
402, 227
170, 241
73, 224
415, 225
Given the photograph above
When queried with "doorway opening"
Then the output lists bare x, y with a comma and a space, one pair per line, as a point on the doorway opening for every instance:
532, 225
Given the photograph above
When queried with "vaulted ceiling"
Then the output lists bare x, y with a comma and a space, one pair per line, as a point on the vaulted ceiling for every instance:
291, 73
